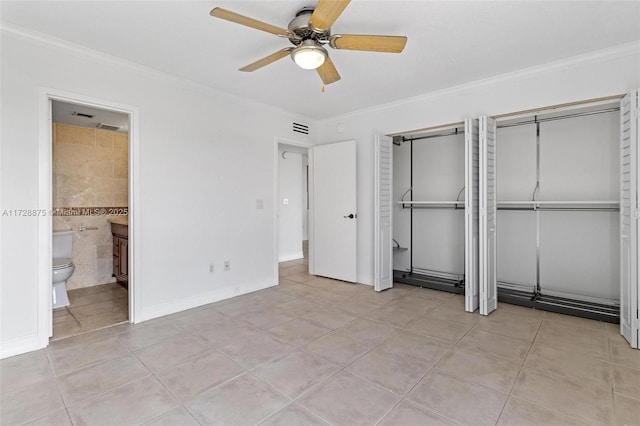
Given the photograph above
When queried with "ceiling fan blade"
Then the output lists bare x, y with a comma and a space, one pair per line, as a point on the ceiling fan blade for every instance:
267, 60
221, 13
390, 44
326, 13
328, 72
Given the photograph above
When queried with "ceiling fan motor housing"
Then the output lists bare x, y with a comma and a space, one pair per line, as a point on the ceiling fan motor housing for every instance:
300, 30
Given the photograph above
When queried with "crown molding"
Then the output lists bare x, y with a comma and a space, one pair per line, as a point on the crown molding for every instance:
21, 33
619, 51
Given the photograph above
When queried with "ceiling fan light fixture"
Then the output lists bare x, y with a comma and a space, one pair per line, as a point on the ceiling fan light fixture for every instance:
309, 55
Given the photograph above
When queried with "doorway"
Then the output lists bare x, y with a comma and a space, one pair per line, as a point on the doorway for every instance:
86, 215
292, 204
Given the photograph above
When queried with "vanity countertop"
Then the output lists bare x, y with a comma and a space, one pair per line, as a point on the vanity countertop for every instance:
119, 220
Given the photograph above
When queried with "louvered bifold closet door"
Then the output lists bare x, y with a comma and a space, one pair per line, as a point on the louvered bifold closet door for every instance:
383, 214
488, 217
629, 218
471, 209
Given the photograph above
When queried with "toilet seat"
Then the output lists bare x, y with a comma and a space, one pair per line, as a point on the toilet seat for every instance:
61, 263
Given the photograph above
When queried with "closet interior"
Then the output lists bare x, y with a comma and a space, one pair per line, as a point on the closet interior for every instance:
557, 225
429, 219
558, 204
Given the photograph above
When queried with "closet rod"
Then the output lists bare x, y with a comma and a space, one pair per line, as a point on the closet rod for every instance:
561, 209
439, 135
434, 207
559, 117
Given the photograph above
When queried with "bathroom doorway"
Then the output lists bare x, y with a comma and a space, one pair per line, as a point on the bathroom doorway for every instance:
90, 185
292, 205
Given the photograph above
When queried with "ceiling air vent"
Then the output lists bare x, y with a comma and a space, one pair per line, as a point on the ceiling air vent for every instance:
105, 126
300, 128
82, 114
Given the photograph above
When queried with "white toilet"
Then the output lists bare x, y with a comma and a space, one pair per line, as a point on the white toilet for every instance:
62, 266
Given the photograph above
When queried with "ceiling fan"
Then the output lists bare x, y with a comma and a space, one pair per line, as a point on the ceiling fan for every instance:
309, 32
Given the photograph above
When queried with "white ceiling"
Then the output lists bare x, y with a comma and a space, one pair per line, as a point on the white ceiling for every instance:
66, 113
450, 43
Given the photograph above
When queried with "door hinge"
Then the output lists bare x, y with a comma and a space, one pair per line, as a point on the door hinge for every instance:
636, 213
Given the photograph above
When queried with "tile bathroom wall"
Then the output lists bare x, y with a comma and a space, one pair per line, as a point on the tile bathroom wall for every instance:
90, 169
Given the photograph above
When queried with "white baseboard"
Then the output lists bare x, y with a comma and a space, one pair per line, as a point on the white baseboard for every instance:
287, 257
172, 307
19, 345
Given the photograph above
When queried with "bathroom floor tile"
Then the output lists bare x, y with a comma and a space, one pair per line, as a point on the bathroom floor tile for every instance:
88, 299
106, 319
91, 308
86, 311
66, 329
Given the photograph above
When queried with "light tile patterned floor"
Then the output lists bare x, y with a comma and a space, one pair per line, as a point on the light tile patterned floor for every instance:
91, 308
315, 351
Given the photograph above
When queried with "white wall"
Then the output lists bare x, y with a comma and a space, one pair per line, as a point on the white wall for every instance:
290, 214
600, 74
202, 169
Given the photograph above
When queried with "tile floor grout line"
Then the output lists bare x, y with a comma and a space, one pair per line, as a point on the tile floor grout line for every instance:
522, 362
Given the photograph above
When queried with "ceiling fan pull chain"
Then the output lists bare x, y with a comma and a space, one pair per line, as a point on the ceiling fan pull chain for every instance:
322, 90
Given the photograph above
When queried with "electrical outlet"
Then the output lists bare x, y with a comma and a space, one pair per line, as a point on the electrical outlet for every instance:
211, 268
227, 265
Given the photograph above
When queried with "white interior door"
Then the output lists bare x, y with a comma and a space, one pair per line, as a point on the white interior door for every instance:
383, 250
471, 209
488, 214
629, 123
334, 211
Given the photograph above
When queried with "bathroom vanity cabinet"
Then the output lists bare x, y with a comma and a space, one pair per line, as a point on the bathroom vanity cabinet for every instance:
120, 234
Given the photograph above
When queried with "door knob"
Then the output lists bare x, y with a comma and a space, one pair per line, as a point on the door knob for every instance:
351, 216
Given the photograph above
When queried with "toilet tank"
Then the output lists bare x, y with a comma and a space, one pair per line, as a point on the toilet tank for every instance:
62, 244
